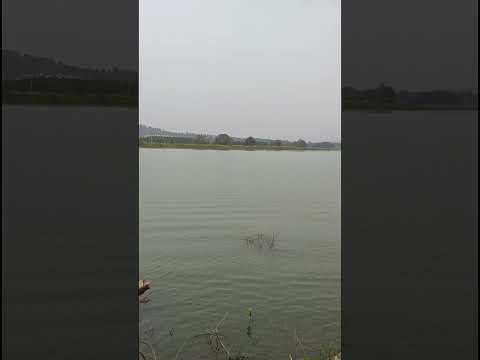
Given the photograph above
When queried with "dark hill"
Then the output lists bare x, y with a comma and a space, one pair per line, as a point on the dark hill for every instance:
18, 66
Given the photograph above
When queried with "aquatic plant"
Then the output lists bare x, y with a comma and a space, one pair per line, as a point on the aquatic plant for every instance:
261, 241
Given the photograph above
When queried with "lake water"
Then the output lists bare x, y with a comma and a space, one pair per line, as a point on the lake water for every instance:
196, 207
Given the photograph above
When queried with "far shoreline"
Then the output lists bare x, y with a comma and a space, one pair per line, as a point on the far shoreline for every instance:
231, 147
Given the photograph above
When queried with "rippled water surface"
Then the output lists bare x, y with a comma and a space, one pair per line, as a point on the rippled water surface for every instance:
196, 206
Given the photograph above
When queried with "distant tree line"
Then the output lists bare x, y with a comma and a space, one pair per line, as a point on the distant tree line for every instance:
225, 139
30, 79
167, 140
386, 97
250, 141
17, 66
71, 86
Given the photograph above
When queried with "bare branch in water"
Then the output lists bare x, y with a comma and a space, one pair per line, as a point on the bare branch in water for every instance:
220, 322
150, 346
298, 342
261, 240
214, 337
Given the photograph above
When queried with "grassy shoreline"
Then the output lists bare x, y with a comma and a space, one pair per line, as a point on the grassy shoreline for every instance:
231, 147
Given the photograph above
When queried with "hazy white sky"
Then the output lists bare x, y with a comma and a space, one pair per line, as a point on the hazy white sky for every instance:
265, 68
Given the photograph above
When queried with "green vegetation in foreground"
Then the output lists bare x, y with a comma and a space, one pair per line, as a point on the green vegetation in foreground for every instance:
229, 147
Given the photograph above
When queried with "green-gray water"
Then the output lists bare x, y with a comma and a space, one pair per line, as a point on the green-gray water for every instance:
195, 209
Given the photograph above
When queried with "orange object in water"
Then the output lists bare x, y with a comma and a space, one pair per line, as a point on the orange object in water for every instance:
143, 286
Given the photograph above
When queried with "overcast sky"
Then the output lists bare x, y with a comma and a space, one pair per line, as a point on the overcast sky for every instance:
266, 68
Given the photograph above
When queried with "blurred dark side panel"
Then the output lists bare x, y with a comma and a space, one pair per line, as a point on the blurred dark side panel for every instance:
69, 179
409, 180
